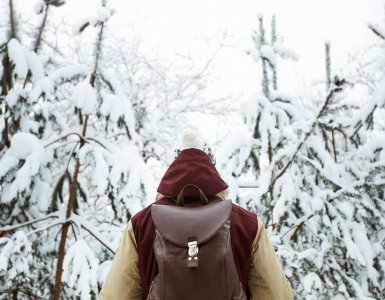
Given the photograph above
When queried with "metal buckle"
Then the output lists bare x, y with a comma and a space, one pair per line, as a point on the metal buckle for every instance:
193, 248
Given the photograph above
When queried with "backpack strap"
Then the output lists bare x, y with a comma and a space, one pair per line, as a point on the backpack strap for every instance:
180, 199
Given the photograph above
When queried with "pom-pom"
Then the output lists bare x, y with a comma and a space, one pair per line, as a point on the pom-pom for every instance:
191, 140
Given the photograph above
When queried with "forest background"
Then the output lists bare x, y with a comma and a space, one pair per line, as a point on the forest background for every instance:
95, 96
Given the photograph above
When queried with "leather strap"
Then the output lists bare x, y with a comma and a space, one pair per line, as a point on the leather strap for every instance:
180, 199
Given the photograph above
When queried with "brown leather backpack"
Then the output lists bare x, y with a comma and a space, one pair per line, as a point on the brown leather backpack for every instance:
193, 250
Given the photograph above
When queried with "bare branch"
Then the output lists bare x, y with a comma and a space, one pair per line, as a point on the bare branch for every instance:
16, 226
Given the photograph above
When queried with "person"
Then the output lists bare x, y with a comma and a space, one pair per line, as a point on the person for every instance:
134, 266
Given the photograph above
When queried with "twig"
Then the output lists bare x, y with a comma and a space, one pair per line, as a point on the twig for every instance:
16, 226
328, 99
63, 137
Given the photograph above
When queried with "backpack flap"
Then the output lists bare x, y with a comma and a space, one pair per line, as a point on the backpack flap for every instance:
189, 227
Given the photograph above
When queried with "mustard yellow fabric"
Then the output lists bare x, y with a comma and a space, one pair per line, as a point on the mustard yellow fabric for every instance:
123, 279
267, 279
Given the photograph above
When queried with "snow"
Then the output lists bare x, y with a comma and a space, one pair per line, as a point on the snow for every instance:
39, 7
379, 29
85, 98
112, 106
80, 269
125, 104
41, 195
84, 152
7, 163
46, 85
288, 194
27, 147
102, 15
360, 237
254, 53
101, 171
15, 256
121, 166
379, 94
103, 270
267, 52
35, 66
11, 98
284, 52
16, 55
310, 281
234, 142
24, 145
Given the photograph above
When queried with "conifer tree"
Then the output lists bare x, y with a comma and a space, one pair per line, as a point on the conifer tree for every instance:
320, 189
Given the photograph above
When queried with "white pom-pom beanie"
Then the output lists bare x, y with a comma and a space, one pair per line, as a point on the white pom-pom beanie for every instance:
192, 140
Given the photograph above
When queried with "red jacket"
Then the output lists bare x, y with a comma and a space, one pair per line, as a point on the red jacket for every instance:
193, 166
134, 265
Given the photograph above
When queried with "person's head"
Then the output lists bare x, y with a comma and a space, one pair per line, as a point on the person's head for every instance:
193, 164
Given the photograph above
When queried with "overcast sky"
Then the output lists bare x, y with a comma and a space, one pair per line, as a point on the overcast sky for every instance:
174, 25
179, 26
195, 28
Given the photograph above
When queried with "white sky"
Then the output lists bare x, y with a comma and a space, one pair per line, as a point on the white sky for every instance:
174, 25
179, 26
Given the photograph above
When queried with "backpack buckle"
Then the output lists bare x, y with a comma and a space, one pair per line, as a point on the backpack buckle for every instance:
192, 254
192, 249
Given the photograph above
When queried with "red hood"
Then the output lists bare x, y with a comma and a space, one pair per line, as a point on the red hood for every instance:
192, 166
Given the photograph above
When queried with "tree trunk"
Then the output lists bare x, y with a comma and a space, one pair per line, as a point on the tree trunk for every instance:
64, 232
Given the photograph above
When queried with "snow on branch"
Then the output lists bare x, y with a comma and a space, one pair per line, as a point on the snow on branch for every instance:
15, 256
25, 148
379, 31
80, 269
16, 55
92, 230
56, 214
333, 91
101, 16
48, 84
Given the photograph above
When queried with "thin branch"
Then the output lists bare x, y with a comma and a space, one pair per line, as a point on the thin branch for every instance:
16, 226
63, 137
59, 222
332, 92
40, 33
98, 238
98, 142
376, 31
12, 19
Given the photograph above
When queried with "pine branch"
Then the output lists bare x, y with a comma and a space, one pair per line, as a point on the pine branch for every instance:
63, 137
41, 28
93, 231
17, 226
336, 89
376, 31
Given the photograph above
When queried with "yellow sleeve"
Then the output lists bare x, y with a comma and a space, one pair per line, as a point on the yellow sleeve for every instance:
123, 279
267, 279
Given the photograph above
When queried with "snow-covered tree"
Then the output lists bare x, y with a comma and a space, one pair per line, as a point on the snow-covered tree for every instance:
320, 179
57, 164
80, 137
